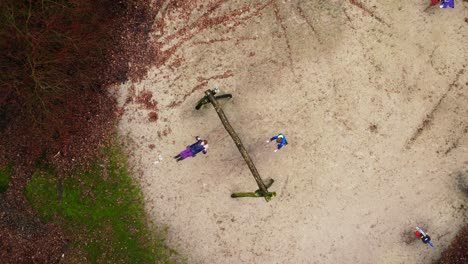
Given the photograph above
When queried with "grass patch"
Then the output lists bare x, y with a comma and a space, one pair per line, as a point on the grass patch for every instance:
5, 177
102, 209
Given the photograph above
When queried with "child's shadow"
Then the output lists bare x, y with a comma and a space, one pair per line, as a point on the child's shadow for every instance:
259, 148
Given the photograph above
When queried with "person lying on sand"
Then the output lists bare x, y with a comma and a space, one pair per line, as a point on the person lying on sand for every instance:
193, 150
425, 238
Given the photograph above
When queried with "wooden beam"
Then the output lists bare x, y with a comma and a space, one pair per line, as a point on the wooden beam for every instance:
261, 185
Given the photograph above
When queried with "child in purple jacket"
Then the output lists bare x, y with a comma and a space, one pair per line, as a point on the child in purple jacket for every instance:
194, 149
447, 3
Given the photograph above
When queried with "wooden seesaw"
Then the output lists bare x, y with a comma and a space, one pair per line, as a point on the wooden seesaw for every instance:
262, 186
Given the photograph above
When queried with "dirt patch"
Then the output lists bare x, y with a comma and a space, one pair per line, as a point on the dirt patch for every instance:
408, 236
462, 181
349, 89
373, 128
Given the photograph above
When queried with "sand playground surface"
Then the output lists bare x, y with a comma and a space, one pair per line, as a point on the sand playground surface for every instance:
372, 96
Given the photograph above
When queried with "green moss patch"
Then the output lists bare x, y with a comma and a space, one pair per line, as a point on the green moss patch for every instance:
5, 177
102, 209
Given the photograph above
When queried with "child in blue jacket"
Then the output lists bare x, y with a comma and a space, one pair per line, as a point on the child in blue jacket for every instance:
280, 139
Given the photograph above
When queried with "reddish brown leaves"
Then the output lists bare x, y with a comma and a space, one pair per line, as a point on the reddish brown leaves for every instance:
203, 83
146, 101
368, 11
152, 116
281, 23
57, 58
457, 252
25, 239
168, 43
224, 75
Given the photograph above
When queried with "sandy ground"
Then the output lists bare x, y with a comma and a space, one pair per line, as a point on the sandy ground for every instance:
375, 108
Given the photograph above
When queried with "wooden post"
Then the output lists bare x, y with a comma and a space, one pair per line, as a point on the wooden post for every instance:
257, 193
263, 191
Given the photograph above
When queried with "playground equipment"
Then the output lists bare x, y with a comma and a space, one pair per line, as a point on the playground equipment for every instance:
262, 187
